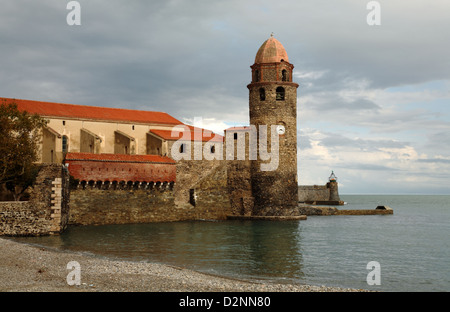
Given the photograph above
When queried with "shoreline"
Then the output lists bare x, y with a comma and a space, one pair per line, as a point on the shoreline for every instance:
28, 268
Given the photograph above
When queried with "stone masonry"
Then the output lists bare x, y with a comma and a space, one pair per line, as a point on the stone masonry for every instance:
273, 103
47, 210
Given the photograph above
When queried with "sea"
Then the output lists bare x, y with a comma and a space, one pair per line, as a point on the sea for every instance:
408, 251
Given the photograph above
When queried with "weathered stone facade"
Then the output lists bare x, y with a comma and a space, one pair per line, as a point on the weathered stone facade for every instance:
204, 197
327, 194
98, 206
47, 210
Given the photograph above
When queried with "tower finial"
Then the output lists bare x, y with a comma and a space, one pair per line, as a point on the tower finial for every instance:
271, 34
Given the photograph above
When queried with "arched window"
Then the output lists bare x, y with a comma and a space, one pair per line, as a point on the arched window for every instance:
262, 94
280, 94
257, 78
65, 144
284, 75
182, 148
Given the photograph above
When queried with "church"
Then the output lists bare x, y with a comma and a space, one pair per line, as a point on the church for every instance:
118, 148
99, 143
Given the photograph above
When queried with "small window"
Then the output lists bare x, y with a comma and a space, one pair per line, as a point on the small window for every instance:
65, 144
280, 94
64, 122
132, 127
213, 149
181, 148
262, 94
257, 76
284, 75
192, 197
235, 136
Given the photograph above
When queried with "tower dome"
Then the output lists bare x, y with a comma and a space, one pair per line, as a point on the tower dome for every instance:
271, 51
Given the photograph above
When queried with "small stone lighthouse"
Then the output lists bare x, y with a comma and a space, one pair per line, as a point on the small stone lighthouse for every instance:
273, 103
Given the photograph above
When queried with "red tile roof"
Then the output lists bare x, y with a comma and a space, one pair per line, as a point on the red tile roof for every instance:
271, 51
120, 158
109, 167
192, 133
245, 128
49, 109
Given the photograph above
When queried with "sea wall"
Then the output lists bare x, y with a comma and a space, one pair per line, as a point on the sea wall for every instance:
94, 205
327, 194
203, 195
333, 211
308, 193
211, 195
46, 212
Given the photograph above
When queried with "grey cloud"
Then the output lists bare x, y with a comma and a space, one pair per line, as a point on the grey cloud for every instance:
434, 161
304, 142
363, 166
333, 140
334, 103
138, 52
439, 141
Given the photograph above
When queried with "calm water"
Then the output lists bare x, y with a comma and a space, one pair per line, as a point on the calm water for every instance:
412, 246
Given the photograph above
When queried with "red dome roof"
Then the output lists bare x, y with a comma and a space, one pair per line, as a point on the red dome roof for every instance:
271, 51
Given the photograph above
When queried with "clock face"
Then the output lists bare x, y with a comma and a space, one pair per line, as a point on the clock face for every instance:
280, 130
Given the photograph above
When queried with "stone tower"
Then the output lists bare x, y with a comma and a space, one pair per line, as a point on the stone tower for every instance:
273, 103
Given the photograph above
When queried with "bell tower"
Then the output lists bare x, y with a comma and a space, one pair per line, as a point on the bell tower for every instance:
273, 103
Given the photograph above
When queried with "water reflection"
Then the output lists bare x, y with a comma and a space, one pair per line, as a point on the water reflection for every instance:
246, 249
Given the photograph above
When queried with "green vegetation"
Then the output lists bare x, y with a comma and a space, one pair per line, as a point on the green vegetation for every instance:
20, 133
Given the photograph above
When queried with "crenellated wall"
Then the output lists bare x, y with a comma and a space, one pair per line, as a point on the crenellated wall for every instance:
202, 194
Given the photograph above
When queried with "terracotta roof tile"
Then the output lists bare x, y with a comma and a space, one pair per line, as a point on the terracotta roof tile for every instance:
119, 158
49, 109
245, 128
193, 133
271, 51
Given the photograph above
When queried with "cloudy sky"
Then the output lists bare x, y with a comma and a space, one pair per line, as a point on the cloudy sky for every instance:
373, 101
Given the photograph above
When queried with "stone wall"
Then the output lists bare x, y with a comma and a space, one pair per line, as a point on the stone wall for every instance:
333, 211
212, 200
47, 210
308, 193
275, 190
95, 206
203, 195
189, 173
319, 194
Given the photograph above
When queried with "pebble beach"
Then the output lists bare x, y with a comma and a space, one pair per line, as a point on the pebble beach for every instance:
28, 268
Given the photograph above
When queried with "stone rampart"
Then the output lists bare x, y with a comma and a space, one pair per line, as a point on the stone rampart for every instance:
202, 196
308, 193
211, 197
47, 210
97, 206
319, 194
333, 211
